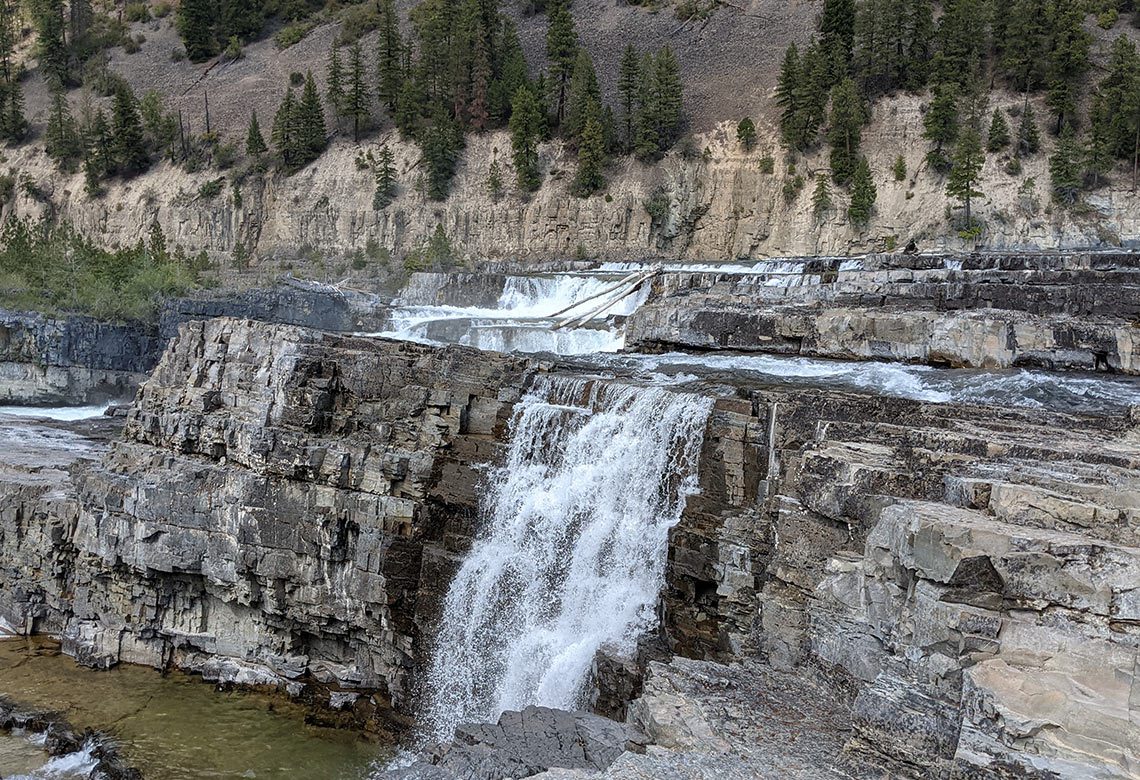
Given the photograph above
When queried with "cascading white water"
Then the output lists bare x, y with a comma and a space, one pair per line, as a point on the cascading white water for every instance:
572, 556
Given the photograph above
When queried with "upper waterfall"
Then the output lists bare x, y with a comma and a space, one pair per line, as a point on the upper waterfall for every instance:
572, 554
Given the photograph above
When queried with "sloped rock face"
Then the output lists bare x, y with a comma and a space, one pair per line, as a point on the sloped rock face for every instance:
994, 311
970, 572
287, 507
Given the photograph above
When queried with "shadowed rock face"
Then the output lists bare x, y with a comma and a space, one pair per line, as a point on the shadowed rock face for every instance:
287, 507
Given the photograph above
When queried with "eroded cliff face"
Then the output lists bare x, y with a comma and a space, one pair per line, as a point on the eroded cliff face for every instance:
287, 507
715, 202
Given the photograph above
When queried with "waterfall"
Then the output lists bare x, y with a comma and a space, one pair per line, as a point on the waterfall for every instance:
572, 554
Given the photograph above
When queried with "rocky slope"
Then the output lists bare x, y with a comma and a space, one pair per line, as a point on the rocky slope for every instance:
285, 507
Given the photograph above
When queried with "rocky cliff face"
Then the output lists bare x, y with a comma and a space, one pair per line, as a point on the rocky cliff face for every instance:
70, 360
711, 201
286, 507
986, 311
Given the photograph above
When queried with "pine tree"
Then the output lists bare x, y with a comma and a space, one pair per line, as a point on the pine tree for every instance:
1025, 41
407, 115
1028, 137
1099, 153
591, 154
440, 146
845, 130
61, 138
254, 142
562, 52
385, 179
495, 180
863, 194
512, 71
898, 170
98, 161
1120, 93
629, 86
920, 27
941, 121
584, 95
787, 98
389, 54
196, 26
998, 138
962, 38
128, 147
479, 107
967, 166
310, 122
241, 19
1068, 59
668, 89
1065, 165
746, 133
334, 82
526, 129
837, 30
357, 100
284, 134
821, 198
13, 126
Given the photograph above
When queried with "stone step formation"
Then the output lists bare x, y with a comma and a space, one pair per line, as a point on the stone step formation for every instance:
863, 584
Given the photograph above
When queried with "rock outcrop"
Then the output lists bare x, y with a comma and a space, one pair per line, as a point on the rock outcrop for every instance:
981, 311
46, 361
287, 507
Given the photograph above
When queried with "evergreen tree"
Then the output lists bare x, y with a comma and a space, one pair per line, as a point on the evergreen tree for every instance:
160, 129
659, 111
196, 26
1024, 42
998, 138
1065, 166
526, 129
495, 180
821, 198
512, 71
837, 31
13, 126
629, 87
845, 130
98, 161
787, 88
389, 54
310, 123
357, 100
962, 39
591, 155
1119, 92
440, 146
898, 170
408, 107
562, 52
254, 142
967, 167
385, 179
584, 95
916, 60
746, 133
128, 147
241, 19
1068, 59
1028, 137
61, 138
941, 121
863, 194
334, 82
1099, 153
51, 41
479, 107
284, 135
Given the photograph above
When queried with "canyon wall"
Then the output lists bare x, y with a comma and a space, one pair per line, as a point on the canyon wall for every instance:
286, 507
711, 200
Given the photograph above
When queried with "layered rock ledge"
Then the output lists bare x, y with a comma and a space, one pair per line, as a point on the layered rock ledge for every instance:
286, 507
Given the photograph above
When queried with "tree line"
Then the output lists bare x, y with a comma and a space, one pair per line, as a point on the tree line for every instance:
865, 49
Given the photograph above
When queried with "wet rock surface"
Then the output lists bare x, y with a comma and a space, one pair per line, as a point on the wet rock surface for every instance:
866, 584
60, 738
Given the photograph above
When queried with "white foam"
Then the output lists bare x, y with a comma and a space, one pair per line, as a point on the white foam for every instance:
67, 413
572, 553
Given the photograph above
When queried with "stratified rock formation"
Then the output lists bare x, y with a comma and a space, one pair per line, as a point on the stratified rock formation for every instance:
984, 311
931, 589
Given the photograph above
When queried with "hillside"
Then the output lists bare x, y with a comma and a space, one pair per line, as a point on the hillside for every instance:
705, 198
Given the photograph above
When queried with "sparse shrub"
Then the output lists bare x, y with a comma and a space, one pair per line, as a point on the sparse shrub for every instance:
746, 133
291, 35
792, 187
161, 9
136, 12
898, 170
767, 165
211, 189
357, 21
657, 206
296, 79
225, 155
233, 49
1107, 19
177, 54
131, 46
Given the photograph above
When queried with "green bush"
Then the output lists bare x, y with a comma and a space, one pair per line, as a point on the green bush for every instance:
161, 9
136, 12
52, 268
211, 189
291, 35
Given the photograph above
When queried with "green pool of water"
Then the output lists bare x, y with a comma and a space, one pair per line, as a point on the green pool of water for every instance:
175, 727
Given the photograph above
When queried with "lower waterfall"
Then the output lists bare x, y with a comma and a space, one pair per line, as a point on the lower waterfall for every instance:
572, 553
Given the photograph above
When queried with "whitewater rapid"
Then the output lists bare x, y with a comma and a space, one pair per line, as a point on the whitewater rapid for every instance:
571, 556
